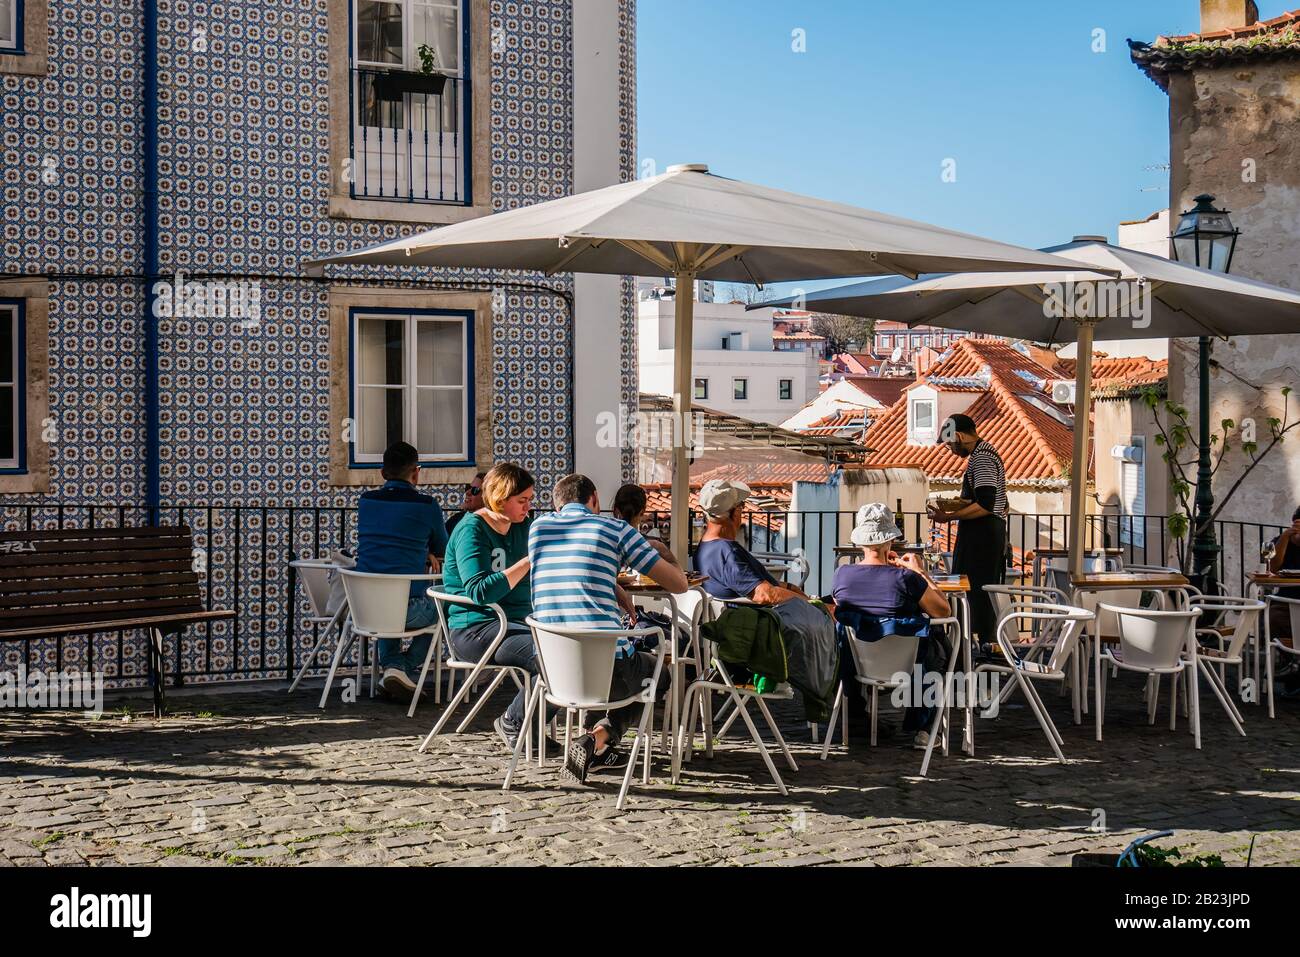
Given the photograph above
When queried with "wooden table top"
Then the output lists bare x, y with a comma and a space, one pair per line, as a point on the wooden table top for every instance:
1115, 580
949, 584
1065, 552
634, 587
1275, 578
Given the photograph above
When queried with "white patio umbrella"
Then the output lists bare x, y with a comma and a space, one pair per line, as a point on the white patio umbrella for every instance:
693, 225
1127, 295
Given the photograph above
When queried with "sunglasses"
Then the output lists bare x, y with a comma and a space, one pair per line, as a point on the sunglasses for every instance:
474, 490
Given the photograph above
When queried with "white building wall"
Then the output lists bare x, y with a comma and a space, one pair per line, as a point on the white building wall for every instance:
756, 362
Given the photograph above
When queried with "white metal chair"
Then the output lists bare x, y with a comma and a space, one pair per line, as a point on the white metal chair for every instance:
1042, 637
475, 669
1241, 622
1066, 623
1272, 644
377, 606
1154, 643
790, 566
576, 667
886, 663
314, 573
716, 679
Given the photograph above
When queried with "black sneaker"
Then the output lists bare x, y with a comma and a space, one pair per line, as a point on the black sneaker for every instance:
509, 736
579, 758
611, 759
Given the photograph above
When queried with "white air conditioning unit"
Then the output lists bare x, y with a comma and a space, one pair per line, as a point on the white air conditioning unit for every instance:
1063, 391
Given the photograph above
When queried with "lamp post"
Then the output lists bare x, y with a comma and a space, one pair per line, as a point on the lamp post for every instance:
1205, 237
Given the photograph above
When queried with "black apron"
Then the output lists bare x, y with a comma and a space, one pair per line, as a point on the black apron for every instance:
980, 555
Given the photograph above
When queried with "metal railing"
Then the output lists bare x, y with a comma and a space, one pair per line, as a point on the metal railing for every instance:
409, 137
242, 555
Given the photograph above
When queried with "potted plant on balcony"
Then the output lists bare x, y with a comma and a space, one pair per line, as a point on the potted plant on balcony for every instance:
395, 84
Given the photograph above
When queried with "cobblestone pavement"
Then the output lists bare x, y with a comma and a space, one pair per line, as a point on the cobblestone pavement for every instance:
243, 777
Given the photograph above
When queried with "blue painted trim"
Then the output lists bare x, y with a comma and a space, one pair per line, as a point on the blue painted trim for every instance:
20, 388
149, 234
471, 435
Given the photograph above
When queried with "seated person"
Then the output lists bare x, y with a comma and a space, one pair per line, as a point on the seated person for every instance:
896, 594
576, 555
1286, 555
807, 630
487, 562
472, 502
629, 505
401, 532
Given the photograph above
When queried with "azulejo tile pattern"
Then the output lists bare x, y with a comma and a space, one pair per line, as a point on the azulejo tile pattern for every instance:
244, 181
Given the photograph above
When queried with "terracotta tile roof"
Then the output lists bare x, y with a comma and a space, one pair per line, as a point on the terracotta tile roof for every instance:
776, 497
769, 473
1277, 38
854, 363
802, 335
1010, 411
1119, 373
846, 423
884, 389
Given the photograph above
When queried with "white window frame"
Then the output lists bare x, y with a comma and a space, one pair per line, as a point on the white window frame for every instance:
410, 58
744, 387
923, 436
411, 386
16, 380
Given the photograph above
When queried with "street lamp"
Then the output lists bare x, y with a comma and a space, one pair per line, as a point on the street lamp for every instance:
1205, 237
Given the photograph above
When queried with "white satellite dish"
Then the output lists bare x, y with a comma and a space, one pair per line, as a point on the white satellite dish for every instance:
897, 354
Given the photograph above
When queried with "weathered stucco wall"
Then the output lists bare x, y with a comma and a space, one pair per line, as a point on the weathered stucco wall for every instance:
1235, 133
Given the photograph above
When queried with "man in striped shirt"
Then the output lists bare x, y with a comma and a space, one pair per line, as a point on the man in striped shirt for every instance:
980, 551
575, 556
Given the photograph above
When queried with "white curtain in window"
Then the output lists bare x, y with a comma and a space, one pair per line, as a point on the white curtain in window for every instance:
8, 23
438, 25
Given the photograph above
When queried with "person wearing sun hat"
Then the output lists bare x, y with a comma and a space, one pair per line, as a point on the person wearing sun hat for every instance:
884, 594
806, 629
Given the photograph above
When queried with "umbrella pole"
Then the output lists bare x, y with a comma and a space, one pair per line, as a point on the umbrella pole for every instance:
1079, 468
683, 315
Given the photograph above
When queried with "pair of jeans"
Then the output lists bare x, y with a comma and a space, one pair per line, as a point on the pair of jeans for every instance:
421, 612
630, 676
516, 651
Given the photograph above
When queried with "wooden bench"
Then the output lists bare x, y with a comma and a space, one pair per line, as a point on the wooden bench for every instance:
90, 581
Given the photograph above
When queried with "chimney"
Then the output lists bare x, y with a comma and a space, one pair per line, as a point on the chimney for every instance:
1227, 14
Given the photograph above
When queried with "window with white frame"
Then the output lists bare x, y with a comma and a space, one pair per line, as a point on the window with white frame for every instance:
411, 382
13, 428
786, 387
701, 388
740, 389
11, 26
408, 122
920, 414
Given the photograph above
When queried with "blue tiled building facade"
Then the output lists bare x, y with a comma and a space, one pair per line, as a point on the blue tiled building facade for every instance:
287, 130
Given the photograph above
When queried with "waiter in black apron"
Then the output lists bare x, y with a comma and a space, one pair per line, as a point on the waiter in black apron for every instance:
980, 551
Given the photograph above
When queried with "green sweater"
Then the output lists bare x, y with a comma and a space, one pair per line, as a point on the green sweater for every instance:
477, 558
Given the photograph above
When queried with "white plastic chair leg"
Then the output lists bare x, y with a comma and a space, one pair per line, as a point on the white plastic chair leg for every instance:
1221, 692
346, 637
830, 725
762, 748
771, 723
519, 742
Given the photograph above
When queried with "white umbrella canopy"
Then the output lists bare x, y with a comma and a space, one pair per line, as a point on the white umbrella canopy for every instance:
1148, 297
693, 225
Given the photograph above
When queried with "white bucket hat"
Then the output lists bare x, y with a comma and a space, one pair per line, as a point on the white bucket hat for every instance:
719, 496
874, 524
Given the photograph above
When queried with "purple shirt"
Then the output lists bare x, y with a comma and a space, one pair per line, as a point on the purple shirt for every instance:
886, 591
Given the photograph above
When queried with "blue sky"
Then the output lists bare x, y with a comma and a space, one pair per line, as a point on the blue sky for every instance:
1049, 138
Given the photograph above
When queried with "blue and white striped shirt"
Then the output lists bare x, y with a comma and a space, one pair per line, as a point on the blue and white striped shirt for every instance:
576, 556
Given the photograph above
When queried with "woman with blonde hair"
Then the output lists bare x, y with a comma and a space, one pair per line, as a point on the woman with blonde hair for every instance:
487, 562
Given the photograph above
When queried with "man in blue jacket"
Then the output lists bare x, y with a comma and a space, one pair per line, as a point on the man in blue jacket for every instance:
401, 532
